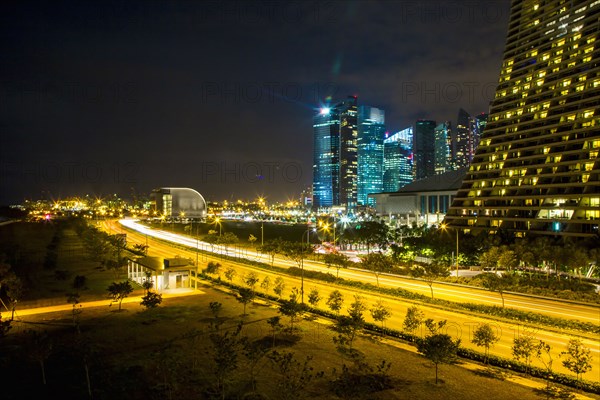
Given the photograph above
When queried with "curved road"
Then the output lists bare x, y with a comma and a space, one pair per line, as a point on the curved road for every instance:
551, 307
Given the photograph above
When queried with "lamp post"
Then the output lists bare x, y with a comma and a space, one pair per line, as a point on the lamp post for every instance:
262, 233
334, 223
302, 276
444, 227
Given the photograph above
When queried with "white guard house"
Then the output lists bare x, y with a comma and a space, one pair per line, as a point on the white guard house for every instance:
165, 273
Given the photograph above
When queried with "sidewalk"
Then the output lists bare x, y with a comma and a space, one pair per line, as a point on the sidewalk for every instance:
169, 293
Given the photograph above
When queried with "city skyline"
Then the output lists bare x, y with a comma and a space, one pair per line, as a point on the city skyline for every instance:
117, 98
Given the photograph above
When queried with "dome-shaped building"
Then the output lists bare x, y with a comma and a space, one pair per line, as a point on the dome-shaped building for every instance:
179, 202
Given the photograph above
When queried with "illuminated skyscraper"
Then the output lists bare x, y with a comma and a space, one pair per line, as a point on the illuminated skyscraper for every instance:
335, 155
443, 143
424, 149
398, 160
461, 140
371, 132
536, 168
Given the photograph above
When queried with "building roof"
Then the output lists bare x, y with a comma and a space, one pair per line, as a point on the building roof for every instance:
451, 180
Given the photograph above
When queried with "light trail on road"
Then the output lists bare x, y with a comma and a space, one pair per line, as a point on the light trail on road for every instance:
459, 326
556, 308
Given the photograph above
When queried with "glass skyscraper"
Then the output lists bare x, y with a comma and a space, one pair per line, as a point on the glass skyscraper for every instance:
424, 149
536, 169
371, 132
462, 142
335, 155
398, 160
443, 143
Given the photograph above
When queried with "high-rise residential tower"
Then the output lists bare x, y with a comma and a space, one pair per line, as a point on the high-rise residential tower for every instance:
371, 132
536, 169
335, 155
398, 160
424, 148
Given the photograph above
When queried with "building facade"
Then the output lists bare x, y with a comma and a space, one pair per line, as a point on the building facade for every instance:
443, 146
461, 142
179, 203
424, 148
335, 157
536, 168
371, 132
398, 167
423, 202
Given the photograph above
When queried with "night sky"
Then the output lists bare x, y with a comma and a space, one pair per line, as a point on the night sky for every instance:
122, 97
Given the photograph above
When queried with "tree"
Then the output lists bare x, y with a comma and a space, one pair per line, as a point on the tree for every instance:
349, 326
434, 327
215, 308
291, 308
5, 326
314, 297
429, 272
294, 375
524, 347
245, 296
439, 348
266, 284
252, 239
271, 247
227, 239
225, 350
141, 249
148, 283
378, 263
230, 273
39, 348
212, 238
79, 282
414, 319
372, 233
14, 292
73, 298
380, 313
495, 283
254, 352
213, 268
579, 358
337, 260
275, 324
279, 286
297, 252
507, 259
151, 300
118, 291
335, 301
544, 355
485, 336
251, 279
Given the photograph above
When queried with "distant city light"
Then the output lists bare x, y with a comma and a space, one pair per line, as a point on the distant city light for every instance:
325, 110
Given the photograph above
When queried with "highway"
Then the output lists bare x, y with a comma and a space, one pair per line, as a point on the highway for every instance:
551, 307
460, 325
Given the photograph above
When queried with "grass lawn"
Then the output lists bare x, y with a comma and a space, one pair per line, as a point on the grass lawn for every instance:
166, 353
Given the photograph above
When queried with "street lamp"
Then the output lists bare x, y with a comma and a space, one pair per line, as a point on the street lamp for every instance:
218, 221
307, 246
444, 227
